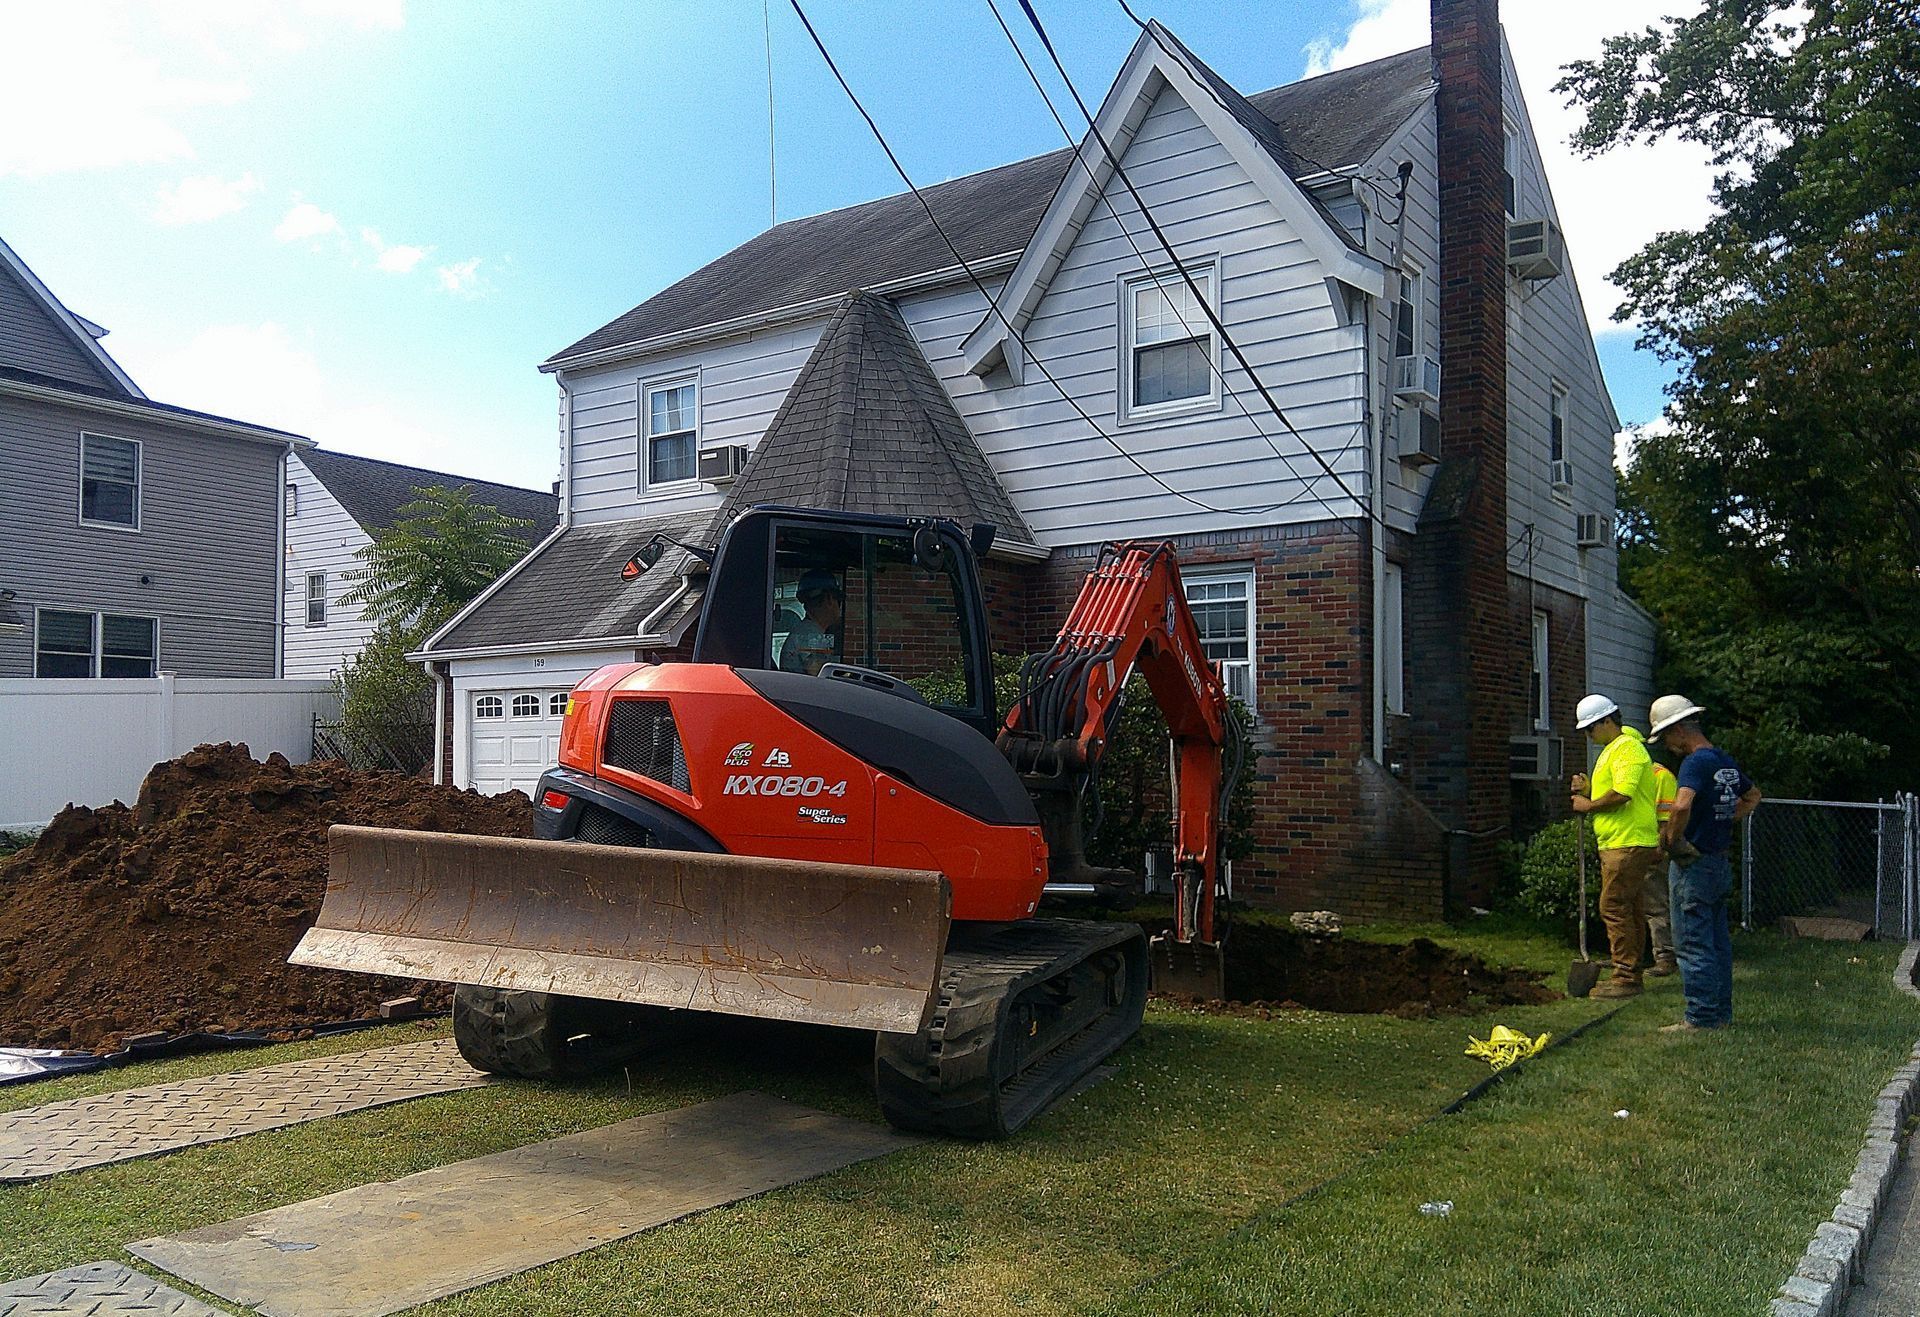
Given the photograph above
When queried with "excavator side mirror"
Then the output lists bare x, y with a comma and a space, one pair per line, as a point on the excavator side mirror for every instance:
981, 538
649, 555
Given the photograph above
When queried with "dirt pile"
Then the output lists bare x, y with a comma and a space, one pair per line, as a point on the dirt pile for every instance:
1271, 968
178, 914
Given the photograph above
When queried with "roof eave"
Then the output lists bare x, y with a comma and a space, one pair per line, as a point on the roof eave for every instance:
793, 311
140, 409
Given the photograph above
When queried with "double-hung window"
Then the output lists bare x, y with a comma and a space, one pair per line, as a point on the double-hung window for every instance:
1557, 425
293, 500
1170, 359
75, 644
1406, 313
316, 598
669, 418
1222, 605
1510, 167
109, 481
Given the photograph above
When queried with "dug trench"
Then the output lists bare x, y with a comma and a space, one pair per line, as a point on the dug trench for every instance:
1271, 968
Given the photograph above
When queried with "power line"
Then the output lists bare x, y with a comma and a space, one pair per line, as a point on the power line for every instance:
1308, 487
1213, 318
773, 181
983, 290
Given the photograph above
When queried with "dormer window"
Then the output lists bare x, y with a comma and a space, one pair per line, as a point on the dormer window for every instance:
1169, 352
669, 419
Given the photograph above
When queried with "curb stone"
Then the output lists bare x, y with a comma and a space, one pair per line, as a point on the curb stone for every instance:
1837, 1254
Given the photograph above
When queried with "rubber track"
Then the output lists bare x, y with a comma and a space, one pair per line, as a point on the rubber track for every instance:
946, 1079
508, 1032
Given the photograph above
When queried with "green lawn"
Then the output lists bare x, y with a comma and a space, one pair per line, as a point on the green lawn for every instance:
1170, 1187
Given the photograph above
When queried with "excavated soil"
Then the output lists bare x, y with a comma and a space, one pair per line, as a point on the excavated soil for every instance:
1271, 968
177, 915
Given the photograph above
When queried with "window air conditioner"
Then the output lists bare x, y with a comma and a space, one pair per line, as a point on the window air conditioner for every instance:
1560, 476
1586, 530
1535, 249
718, 466
1416, 435
1536, 758
1417, 379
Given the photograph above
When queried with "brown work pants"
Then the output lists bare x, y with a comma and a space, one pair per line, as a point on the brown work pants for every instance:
1623, 906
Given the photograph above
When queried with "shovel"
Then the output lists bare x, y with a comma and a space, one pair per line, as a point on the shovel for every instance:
1584, 972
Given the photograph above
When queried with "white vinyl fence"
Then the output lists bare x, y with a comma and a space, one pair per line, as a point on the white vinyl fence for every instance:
89, 742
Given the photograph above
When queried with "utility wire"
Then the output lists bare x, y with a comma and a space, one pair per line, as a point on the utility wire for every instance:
1212, 317
1309, 487
773, 181
986, 293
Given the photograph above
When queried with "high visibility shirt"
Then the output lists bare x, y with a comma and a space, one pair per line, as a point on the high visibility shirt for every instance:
1665, 787
1625, 766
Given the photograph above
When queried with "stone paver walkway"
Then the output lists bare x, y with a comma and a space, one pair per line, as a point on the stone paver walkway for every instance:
99, 1289
1891, 1287
36, 1142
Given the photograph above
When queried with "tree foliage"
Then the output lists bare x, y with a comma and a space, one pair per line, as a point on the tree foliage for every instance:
441, 551
1775, 531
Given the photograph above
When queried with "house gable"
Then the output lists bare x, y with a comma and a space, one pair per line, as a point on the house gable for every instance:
1156, 65
40, 336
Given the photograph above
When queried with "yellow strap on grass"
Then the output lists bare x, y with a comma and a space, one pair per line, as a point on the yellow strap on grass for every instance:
1504, 1046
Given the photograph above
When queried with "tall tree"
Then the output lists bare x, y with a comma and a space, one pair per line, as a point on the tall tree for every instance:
1775, 531
441, 551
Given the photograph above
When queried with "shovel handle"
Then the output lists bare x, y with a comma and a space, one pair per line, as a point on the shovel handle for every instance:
1580, 862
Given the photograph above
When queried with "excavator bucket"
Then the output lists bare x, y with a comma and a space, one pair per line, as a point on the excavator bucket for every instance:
1188, 969
781, 939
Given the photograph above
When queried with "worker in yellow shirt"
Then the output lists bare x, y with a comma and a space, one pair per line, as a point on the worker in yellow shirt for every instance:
1659, 915
1620, 800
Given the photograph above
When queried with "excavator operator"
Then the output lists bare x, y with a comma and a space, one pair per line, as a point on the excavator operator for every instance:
814, 640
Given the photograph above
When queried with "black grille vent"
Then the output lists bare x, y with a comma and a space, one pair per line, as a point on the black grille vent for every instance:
641, 738
602, 827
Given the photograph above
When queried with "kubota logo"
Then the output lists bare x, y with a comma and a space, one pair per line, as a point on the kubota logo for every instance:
741, 755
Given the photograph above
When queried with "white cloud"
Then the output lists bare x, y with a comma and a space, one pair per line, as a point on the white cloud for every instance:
201, 198
120, 83
462, 278
306, 220
1609, 206
400, 258
264, 374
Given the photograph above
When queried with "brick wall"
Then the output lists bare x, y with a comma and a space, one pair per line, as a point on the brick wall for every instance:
1330, 828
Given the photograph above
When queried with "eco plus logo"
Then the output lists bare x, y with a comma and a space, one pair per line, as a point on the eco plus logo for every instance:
775, 759
741, 755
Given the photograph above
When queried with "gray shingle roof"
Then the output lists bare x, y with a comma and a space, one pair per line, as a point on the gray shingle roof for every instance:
373, 492
1335, 120
162, 411
571, 589
866, 426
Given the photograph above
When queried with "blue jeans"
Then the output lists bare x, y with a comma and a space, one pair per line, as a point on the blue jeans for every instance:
1701, 942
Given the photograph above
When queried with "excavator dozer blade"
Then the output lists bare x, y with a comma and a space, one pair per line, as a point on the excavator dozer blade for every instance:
835, 944
1188, 969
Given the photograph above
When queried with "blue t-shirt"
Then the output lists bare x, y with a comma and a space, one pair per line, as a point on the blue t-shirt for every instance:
1718, 783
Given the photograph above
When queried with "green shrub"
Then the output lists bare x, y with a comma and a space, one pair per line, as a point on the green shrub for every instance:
1549, 879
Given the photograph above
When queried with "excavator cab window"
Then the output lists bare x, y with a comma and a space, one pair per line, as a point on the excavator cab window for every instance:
871, 600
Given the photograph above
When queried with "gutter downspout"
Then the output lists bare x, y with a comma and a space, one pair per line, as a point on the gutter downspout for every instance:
1378, 494
442, 770
280, 566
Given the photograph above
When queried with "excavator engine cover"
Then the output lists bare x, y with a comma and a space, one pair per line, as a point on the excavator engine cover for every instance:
1189, 969
835, 944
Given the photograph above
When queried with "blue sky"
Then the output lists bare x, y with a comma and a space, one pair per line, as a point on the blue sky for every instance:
369, 220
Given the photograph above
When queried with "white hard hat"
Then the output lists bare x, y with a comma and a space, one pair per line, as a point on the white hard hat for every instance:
1592, 709
1668, 710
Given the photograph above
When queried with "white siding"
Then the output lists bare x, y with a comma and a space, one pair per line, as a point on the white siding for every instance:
1070, 484
1547, 342
741, 383
321, 538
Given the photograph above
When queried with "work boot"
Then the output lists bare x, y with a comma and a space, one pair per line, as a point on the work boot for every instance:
1663, 966
1618, 987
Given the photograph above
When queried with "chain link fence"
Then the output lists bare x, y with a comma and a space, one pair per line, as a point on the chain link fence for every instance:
1839, 859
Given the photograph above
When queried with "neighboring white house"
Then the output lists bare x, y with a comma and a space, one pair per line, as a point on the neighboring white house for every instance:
335, 504
1338, 562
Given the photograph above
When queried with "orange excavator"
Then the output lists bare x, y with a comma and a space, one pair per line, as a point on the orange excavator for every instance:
824, 818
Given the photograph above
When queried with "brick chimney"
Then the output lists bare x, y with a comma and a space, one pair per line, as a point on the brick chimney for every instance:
1468, 663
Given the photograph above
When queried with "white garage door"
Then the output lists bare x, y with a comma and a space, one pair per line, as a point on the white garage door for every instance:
513, 737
